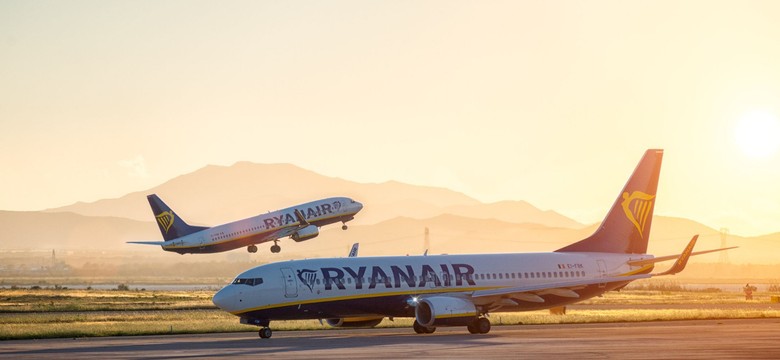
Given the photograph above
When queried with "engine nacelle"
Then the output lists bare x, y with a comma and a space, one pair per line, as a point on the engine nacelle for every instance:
445, 311
360, 322
309, 232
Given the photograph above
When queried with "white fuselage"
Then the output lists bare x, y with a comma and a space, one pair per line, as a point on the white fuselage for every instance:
388, 286
266, 227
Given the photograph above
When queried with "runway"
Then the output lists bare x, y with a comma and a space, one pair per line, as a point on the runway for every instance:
701, 339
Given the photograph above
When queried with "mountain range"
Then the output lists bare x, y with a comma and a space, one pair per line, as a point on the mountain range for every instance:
392, 222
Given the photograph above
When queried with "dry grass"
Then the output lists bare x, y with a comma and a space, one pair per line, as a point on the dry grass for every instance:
48, 313
52, 300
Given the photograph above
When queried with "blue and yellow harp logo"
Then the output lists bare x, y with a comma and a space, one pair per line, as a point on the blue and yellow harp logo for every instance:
165, 219
308, 278
637, 207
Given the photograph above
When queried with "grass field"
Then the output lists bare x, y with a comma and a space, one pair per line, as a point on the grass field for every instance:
48, 313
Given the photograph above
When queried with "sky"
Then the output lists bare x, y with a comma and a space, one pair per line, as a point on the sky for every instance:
549, 102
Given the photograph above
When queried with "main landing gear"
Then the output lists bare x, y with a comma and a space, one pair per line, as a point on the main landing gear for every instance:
251, 248
478, 326
265, 332
276, 248
422, 329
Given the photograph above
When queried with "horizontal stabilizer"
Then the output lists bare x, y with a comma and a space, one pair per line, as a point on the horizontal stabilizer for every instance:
674, 257
147, 242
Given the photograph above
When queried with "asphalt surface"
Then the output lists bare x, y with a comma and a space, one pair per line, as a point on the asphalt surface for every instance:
700, 339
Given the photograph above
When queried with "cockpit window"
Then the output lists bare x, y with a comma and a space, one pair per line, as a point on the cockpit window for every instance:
248, 281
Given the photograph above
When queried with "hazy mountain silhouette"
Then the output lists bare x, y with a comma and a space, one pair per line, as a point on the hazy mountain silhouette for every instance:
393, 221
39, 230
217, 194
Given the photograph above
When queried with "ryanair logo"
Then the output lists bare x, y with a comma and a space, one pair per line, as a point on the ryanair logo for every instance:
637, 207
165, 219
308, 278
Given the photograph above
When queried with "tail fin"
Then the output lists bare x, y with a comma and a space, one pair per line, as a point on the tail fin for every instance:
626, 228
171, 225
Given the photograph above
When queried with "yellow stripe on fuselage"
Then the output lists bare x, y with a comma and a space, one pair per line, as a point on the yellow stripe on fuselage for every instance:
367, 296
642, 270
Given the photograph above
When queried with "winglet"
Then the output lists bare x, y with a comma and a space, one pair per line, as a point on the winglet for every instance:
301, 218
679, 265
354, 251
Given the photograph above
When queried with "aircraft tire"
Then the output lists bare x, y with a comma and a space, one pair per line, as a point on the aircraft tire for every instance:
344, 227
473, 328
482, 326
265, 333
276, 249
251, 248
422, 329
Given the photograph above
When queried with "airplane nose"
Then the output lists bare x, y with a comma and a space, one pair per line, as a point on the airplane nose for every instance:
358, 206
220, 299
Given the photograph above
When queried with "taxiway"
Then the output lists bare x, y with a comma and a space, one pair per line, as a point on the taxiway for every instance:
702, 339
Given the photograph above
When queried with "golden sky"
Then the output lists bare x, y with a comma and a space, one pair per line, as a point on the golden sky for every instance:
550, 102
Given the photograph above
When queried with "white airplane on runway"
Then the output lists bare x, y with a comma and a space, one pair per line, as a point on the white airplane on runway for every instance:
459, 290
300, 222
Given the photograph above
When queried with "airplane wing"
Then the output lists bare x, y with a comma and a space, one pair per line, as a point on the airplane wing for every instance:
563, 287
288, 230
301, 219
566, 288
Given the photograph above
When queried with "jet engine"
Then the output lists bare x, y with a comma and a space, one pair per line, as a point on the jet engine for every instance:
306, 233
359, 322
445, 311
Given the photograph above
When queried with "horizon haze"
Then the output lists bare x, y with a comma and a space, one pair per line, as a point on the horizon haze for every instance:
551, 103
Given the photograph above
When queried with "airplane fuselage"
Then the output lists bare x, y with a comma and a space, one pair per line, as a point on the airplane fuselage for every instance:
389, 286
265, 227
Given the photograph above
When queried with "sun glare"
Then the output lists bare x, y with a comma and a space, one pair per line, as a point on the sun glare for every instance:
758, 134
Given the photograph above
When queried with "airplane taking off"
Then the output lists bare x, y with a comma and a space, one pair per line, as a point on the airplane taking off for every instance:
300, 222
459, 290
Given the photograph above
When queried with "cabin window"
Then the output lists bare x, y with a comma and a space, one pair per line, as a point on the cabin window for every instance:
513, 275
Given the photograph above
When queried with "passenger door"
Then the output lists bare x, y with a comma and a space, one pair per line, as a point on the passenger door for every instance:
290, 283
